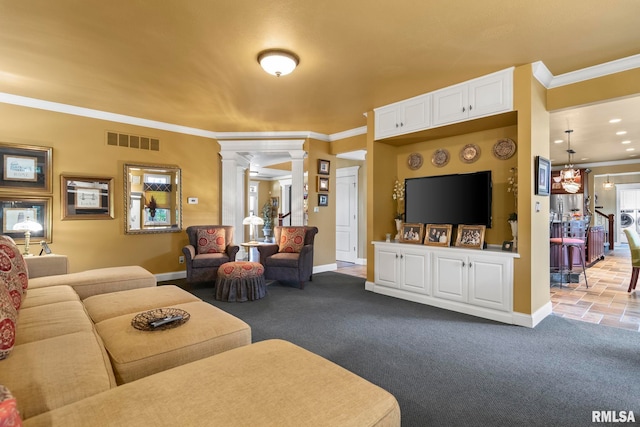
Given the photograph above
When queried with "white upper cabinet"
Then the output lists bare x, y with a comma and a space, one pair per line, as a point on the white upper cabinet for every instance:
480, 97
484, 96
403, 117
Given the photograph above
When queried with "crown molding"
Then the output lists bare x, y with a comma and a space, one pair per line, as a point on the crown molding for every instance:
540, 72
548, 80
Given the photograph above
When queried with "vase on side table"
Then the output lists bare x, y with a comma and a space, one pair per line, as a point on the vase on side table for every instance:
398, 228
514, 233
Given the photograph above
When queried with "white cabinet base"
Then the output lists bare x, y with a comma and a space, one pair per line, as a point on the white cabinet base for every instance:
474, 282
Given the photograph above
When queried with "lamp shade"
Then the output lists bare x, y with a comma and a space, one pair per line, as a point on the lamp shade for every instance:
278, 62
27, 225
253, 220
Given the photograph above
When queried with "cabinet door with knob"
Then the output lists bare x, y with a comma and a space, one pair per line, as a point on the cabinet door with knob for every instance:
403, 268
483, 96
403, 117
450, 276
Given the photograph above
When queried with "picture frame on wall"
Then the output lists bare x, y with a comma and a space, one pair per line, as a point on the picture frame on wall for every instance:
25, 168
543, 176
438, 234
470, 236
322, 184
14, 210
411, 233
324, 167
86, 197
323, 200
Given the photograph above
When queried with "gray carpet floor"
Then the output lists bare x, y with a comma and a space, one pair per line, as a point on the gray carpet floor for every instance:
450, 369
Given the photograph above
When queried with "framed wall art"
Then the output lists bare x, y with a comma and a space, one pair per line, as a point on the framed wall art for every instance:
323, 167
15, 211
543, 176
25, 168
411, 233
86, 197
322, 184
437, 234
470, 236
323, 200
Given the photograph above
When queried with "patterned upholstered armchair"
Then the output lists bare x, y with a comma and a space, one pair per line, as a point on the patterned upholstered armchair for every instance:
209, 247
291, 258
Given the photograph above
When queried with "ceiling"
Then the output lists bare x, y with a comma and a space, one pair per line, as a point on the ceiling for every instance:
193, 63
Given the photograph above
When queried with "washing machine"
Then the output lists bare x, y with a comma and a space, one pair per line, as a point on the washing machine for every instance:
628, 219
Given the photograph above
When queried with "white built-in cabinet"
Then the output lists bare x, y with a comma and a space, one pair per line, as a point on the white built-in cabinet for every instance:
484, 96
476, 282
403, 117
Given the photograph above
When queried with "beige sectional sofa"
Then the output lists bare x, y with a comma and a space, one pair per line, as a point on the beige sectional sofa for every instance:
61, 373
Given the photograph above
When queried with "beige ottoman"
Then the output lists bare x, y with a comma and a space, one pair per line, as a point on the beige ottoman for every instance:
135, 354
269, 383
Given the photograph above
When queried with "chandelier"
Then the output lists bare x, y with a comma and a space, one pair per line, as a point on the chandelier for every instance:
570, 177
607, 185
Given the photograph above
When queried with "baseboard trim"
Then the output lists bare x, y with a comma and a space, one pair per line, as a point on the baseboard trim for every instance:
325, 267
163, 277
531, 320
361, 261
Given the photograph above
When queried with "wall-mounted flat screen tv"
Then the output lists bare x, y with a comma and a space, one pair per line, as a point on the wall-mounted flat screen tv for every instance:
449, 199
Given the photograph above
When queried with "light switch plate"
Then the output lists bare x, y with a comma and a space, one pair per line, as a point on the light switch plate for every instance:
192, 200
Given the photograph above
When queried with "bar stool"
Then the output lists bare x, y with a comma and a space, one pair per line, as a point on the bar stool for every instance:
573, 234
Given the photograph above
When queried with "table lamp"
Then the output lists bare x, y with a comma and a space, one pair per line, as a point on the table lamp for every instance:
253, 221
27, 226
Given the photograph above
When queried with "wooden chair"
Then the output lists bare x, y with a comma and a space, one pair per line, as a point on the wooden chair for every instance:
573, 235
634, 246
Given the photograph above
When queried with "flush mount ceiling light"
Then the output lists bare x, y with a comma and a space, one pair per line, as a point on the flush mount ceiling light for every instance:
278, 62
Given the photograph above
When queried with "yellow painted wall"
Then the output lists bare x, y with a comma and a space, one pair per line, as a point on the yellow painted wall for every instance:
79, 146
325, 219
502, 201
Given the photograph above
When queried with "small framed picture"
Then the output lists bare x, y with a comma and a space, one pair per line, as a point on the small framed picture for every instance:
322, 184
543, 176
323, 200
470, 236
85, 197
323, 167
437, 234
507, 246
411, 233
25, 168
17, 214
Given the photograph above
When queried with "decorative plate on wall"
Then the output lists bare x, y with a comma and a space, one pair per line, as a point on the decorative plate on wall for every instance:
504, 148
470, 153
440, 157
414, 161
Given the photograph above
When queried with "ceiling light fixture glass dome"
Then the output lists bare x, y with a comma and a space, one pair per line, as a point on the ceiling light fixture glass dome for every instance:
278, 62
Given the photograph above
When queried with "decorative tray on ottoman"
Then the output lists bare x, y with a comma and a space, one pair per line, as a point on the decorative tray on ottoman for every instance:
159, 319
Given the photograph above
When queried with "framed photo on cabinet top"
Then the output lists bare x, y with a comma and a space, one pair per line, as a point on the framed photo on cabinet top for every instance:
437, 235
411, 233
470, 236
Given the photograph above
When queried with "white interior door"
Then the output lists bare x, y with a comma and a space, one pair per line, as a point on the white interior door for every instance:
347, 214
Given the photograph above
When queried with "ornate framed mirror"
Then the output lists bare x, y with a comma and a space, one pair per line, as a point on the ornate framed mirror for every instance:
152, 198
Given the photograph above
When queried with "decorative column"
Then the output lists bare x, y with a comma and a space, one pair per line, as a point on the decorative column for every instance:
233, 191
297, 186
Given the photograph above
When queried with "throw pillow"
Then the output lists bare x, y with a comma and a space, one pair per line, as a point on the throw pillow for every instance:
9, 416
211, 241
18, 264
8, 317
292, 239
10, 280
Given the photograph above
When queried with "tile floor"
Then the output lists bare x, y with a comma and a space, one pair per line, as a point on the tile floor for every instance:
605, 302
